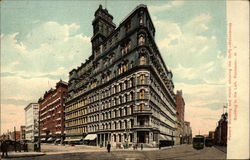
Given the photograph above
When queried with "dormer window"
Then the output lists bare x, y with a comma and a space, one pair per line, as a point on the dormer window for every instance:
126, 47
142, 60
128, 26
141, 39
141, 18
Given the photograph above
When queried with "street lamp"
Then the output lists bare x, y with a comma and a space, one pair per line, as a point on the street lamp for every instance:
180, 138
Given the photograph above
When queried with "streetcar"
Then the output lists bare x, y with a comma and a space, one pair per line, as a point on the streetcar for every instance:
198, 142
208, 142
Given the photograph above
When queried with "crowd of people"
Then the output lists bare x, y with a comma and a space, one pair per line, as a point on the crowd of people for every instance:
7, 145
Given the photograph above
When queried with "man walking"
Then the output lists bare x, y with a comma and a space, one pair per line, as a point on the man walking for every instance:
4, 148
108, 147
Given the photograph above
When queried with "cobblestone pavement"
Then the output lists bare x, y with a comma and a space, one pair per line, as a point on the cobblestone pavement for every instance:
185, 152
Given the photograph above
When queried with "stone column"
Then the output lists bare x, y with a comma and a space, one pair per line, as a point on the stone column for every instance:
104, 142
100, 139
135, 137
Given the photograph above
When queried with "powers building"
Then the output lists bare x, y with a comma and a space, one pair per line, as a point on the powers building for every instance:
123, 93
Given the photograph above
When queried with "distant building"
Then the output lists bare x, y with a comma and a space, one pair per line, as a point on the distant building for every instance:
184, 131
22, 132
180, 106
123, 93
15, 135
221, 131
211, 134
31, 121
187, 133
51, 113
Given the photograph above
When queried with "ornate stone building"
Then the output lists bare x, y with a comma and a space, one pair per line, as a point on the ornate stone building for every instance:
123, 93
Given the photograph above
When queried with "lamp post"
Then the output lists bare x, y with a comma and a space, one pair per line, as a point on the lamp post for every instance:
39, 139
15, 137
180, 139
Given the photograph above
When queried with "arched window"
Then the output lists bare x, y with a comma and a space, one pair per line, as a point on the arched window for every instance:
120, 110
142, 60
119, 137
142, 94
120, 125
125, 124
125, 111
120, 99
115, 125
142, 79
131, 109
142, 106
114, 138
126, 97
126, 84
132, 96
120, 85
141, 39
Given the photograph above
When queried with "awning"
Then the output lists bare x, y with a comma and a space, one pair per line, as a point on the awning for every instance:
50, 139
163, 137
58, 139
90, 137
66, 140
71, 140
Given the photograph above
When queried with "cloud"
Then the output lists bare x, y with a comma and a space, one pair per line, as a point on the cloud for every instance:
169, 5
34, 64
13, 117
56, 51
203, 105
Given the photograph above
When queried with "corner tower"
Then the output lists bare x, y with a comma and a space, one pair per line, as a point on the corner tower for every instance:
103, 26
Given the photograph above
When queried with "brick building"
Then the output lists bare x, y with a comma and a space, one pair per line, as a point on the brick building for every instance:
184, 131
51, 113
123, 93
180, 106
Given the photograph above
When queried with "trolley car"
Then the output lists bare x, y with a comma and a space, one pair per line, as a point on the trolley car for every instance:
198, 142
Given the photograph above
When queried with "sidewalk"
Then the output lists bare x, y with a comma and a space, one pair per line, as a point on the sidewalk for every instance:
145, 149
221, 148
23, 154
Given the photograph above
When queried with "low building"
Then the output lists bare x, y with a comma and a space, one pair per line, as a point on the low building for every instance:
22, 132
51, 113
31, 121
187, 133
15, 135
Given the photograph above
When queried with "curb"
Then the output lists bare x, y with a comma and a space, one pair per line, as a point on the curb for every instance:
23, 155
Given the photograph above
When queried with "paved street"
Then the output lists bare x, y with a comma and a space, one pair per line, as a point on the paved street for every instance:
85, 152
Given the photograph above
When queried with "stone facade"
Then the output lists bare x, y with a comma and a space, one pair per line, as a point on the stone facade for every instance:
31, 121
51, 113
123, 93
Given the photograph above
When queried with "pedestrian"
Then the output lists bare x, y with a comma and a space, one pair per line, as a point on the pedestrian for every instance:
159, 145
108, 147
4, 148
25, 147
141, 146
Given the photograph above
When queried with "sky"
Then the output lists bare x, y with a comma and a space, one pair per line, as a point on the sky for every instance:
41, 41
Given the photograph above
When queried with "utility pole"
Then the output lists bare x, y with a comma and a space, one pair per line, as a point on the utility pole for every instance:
39, 138
15, 137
